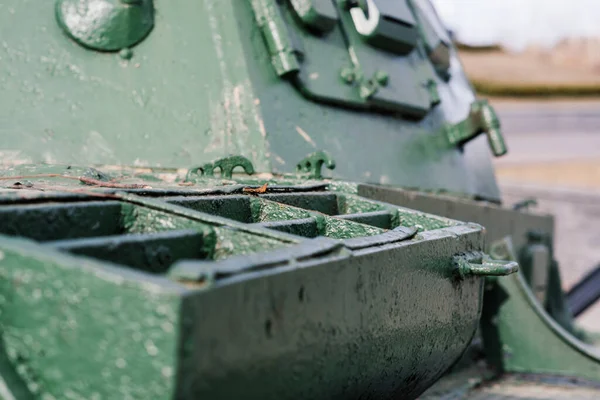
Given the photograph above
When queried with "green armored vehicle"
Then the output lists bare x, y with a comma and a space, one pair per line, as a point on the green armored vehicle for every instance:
263, 199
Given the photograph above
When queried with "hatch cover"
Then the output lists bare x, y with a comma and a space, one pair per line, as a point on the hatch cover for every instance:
368, 54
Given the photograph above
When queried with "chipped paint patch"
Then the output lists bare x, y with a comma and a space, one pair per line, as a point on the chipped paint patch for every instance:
13, 157
305, 136
384, 179
236, 125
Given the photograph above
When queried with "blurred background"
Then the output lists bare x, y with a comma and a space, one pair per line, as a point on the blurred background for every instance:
538, 61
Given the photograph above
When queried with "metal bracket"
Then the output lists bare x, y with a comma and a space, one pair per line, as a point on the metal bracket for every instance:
226, 165
319, 15
525, 204
479, 264
208, 272
313, 163
481, 119
391, 28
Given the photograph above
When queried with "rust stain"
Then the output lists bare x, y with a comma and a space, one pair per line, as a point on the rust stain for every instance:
260, 190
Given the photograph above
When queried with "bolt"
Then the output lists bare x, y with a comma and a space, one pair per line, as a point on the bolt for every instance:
434, 94
382, 78
367, 90
348, 75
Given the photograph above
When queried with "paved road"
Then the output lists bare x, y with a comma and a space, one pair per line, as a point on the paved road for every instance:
550, 131
549, 117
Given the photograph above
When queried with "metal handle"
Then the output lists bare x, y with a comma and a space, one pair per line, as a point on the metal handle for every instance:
481, 119
479, 264
390, 27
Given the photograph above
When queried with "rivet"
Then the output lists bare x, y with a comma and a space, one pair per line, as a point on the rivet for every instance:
348, 75
126, 54
382, 78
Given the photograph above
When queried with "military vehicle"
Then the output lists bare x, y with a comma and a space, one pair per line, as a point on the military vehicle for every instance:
263, 199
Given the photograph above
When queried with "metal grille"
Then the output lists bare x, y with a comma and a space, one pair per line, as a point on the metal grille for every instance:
155, 231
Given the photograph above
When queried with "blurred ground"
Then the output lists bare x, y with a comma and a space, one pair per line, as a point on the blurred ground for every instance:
553, 140
554, 156
572, 67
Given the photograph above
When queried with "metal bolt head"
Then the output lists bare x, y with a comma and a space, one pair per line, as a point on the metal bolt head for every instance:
382, 77
126, 54
367, 89
348, 75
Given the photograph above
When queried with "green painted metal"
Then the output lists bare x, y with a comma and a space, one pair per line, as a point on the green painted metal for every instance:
482, 119
371, 58
201, 252
520, 336
477, 264
433, 35
392, 28
313, 164
499, 221
201, 86
74, 327
319, 15
106, 25
272, 26
525, 329
244, 296
225, 165
541, 272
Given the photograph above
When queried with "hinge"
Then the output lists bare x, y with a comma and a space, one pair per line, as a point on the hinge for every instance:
275, 33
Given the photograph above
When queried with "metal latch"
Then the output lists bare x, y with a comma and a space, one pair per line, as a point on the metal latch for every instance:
311, 165
317, 14
479, 264
391, 27
275, 33
481, 119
